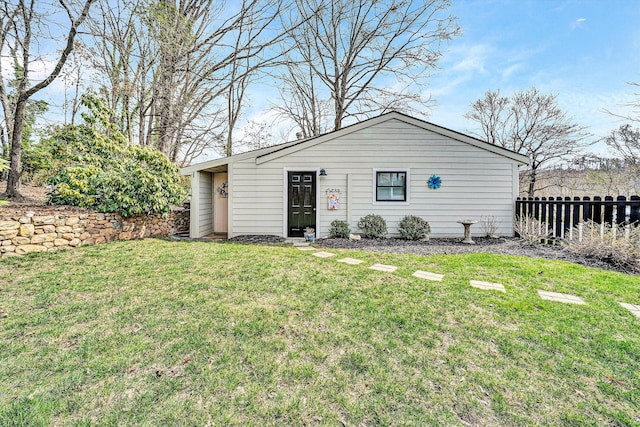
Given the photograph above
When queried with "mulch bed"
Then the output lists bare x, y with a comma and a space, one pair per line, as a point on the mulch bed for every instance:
501, 245
257, 239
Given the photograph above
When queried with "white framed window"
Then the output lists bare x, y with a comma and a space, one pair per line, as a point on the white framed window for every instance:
391, 186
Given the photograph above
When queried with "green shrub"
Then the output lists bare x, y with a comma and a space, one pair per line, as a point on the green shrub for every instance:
413, 228
372, 226
94, 166
339, 229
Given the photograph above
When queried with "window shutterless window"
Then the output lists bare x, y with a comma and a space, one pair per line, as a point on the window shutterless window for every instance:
391, 186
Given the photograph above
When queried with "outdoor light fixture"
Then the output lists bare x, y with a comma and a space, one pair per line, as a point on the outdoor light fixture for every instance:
323, 172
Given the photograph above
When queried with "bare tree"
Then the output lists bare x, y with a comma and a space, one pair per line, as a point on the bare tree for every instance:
634, 116
121, 59
529, 123
343, 51
249, 65
27, 24
625, 142
257, 135
72, 77
178, 70
301, 102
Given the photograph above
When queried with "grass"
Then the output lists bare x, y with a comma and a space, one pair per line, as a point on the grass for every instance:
159, 332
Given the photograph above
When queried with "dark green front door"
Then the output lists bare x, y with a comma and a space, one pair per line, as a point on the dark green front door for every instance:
301, 202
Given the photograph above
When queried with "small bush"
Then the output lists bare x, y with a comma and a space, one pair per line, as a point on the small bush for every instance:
372, 226
531, 230
413, 228
489, 226
612, 244
339, 229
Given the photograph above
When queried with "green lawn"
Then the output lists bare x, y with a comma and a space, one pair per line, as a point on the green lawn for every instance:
160, 332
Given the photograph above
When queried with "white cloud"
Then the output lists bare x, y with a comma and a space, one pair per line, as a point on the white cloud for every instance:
460, 65
507, 72
445, 85
578, 23
470, 58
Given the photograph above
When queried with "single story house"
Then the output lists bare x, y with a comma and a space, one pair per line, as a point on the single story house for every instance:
392, 165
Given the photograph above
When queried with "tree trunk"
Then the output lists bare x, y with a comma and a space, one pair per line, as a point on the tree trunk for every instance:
4, 144
13, 183
532, 184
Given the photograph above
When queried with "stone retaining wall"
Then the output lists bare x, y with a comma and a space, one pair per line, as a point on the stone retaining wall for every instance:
39, 229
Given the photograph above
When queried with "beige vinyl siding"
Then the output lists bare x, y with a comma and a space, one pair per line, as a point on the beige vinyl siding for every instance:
257, 199
475, 182
205, 210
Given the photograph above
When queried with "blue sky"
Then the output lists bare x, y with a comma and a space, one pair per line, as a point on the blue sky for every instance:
583, 51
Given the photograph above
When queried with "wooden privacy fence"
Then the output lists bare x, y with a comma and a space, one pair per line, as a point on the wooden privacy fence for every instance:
561, 215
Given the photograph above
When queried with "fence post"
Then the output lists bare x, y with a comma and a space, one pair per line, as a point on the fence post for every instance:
621, 210
586, 209
517, 216
558, 218
544, 214
567, 217
575, 221
634, 212
580, 225
608, 210
551, 212
597, 210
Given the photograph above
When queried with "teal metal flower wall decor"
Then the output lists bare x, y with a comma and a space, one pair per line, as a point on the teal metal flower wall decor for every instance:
434, 182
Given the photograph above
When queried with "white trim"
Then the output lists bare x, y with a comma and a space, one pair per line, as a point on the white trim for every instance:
516, 182
407, 202
213, 202
195, 205
209, 164
515, 190
285, 196
230, 191
349, 198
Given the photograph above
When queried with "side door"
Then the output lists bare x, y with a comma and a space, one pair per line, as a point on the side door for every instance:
301, 202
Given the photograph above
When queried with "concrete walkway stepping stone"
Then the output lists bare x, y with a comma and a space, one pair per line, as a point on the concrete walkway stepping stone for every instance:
350, 261
633, 308
428, 275
384, 267
487, 286
323, 254
558, 297
305, 248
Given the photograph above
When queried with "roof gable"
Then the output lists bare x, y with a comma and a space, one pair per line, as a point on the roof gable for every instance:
267, 154
302, 145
